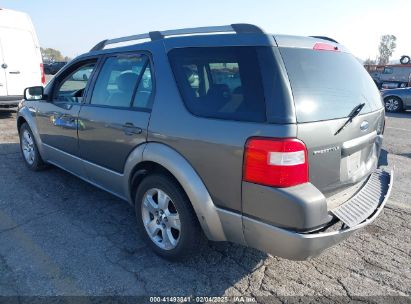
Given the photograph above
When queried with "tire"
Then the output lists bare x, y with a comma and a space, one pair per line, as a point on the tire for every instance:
29, 150
405, 59
163, 208
393, 104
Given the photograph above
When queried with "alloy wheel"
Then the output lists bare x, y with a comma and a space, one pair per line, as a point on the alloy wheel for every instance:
27, 146
161, 219
391, 104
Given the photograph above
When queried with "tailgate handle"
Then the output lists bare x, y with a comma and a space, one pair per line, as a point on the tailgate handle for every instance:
356, 144
14, 72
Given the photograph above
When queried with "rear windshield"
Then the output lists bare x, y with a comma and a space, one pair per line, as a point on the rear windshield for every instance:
328, 85
220, 82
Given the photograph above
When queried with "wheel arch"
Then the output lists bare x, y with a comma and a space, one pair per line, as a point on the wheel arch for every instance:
393, 95
140, 171
25, 116
157, 157
20, 121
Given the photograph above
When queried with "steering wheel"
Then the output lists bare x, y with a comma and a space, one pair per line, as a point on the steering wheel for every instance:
72, 97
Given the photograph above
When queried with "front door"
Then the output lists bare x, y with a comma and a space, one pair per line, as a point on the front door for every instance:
57, 118
116, 117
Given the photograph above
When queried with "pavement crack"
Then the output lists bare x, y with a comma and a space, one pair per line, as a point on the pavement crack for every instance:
30, 221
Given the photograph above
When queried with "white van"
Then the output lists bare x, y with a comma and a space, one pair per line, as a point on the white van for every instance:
21, 64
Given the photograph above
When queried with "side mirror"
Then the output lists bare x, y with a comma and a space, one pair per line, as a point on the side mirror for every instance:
34, 93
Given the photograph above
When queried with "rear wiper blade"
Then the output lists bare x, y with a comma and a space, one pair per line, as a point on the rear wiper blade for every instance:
357, 109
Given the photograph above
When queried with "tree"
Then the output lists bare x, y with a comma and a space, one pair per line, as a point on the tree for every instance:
369, 61
50, 54
388, 43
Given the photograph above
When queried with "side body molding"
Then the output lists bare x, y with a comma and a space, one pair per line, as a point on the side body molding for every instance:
190, 181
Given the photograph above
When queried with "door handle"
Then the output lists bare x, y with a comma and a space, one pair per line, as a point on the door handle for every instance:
14, 72
68, 118
130, 129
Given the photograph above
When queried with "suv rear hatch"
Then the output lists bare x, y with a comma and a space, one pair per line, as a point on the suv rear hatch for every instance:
327, 84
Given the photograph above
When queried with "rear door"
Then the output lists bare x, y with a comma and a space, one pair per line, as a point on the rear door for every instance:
20, 59
327, 85
115, 119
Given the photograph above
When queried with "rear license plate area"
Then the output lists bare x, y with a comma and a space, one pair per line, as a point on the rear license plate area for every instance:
353, 162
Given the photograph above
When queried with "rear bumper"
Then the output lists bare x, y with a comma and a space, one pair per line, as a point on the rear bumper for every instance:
300, 246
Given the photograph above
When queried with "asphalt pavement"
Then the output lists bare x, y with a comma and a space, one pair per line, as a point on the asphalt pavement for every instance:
62, 236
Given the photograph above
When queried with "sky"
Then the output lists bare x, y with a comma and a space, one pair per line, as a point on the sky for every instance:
74, 26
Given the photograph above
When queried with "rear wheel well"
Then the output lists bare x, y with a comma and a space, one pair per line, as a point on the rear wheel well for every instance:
144, 169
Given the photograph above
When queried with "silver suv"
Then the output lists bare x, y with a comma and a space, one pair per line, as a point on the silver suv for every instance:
221, 133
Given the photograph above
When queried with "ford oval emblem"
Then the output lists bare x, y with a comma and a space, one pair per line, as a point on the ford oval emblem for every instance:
364, 125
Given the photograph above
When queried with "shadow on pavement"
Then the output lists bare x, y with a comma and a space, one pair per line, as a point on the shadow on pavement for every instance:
60, 235
383, 160
6, 113
404, 114
405, 155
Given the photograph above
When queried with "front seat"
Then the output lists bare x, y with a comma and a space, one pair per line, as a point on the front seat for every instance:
125, 84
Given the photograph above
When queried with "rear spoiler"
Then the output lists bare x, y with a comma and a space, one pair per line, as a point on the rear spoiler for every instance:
325, 38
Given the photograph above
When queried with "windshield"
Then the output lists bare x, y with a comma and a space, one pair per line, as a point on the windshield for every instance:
328, 85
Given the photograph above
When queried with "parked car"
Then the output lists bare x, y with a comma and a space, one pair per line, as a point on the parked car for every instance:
269, 141
55, 67
376, 77
21, 63
47, 67
397, 100
395, 76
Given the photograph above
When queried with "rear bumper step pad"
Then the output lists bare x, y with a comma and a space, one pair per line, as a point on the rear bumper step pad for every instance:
359, 207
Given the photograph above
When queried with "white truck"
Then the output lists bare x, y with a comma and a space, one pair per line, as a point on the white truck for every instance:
21, 64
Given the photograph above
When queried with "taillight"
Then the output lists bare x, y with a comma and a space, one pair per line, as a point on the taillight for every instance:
275, 162
43, 76
320, 46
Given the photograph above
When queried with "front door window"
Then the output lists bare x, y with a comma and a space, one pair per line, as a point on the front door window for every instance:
72, 88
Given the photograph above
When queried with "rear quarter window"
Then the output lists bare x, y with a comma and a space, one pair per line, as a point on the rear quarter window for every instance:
328, 85
220, 82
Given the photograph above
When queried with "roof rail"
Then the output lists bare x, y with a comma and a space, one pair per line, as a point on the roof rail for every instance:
325, 38
239, 28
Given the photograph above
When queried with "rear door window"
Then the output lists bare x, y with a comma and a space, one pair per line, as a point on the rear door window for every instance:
143, 95
123, 81
328, 85
220, 82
